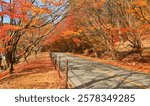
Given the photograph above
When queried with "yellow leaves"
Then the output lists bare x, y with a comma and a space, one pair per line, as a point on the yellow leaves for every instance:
54, 2
40, 11
74, 33
34, 21
80, 31
44, 1
57, 2
147, 17
140, 3
109, 26
35, 10
45, 11
71, 33
130, 11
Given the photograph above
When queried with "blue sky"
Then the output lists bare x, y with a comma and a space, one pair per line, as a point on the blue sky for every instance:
6, 18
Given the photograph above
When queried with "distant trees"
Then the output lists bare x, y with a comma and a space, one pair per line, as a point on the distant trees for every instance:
111, 26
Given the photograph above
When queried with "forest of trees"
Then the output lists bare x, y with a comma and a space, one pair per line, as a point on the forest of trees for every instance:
116, 28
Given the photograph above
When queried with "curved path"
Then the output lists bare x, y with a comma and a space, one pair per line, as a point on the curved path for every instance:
84, 73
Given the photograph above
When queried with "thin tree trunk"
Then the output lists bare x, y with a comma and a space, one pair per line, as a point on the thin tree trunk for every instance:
11, 68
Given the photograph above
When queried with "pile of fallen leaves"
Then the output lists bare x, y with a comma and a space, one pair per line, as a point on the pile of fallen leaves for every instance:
38, 73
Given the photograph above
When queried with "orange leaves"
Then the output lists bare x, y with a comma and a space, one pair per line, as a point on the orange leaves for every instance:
7, 27
44, 1
140, 3
4, 38
4, 30
12, 10
99, 4
45, 11
2, 50
36, 9
51, 40
145, 26
124, 30
40, 11
54, 2
7, 37
70, 33
130, 11
26, 6
76, 40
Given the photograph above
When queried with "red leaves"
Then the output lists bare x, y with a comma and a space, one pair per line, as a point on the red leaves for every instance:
51, 40
4, 38
8, 27
2, 50
76, 40
124, 30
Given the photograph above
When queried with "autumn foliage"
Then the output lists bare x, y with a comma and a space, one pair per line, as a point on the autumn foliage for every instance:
24, 23
115, 28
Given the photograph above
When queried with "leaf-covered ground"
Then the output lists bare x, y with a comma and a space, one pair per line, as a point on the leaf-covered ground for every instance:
39, 73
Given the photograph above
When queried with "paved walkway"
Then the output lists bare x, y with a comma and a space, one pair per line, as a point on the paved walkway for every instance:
84, 73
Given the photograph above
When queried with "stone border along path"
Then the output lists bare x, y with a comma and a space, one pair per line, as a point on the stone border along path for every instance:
97, 75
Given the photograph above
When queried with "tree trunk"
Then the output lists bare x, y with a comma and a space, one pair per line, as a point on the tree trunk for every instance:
11, 68
10, 61
95, 53
114, 55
